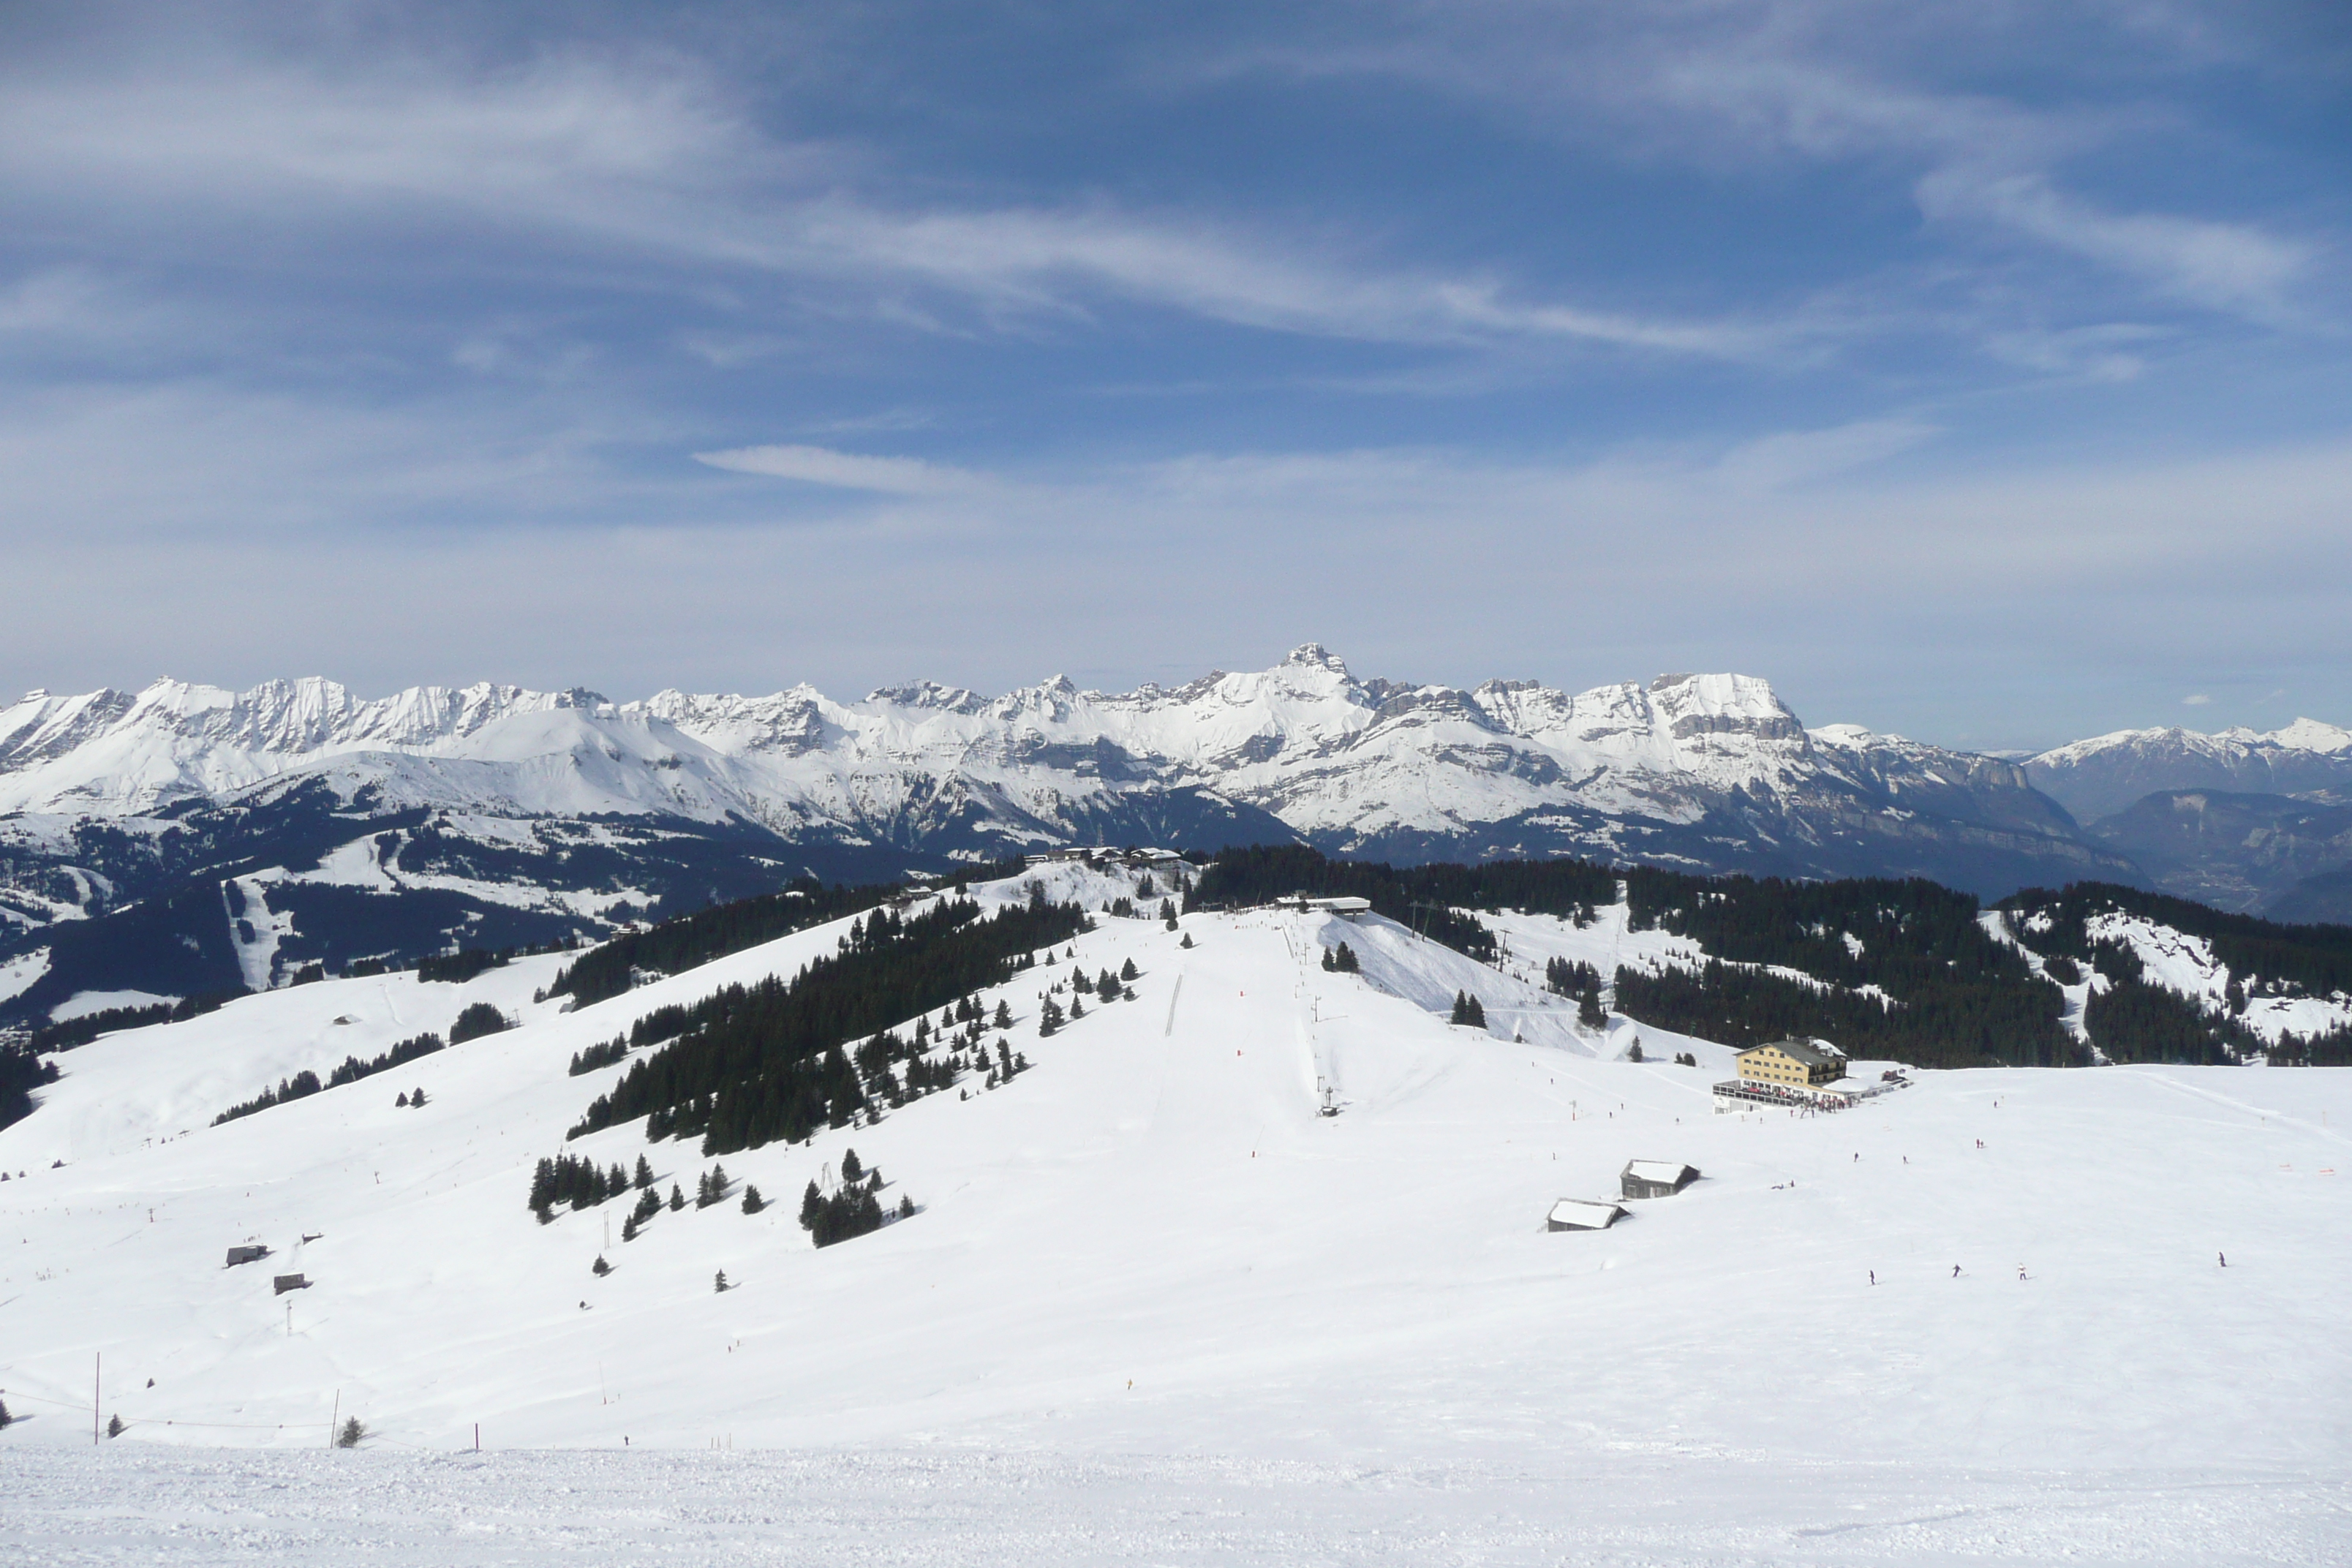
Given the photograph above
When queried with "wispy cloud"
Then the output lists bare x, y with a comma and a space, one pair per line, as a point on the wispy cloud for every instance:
2232, 267
848, 471
1737, 84
661, 162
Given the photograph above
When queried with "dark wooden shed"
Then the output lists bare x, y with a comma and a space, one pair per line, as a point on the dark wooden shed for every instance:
237, 1255
281, 1283
1656, 1178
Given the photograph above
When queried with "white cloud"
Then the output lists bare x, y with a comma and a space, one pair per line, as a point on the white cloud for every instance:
658, 163
846, 470
2196, 700
1773, 462
2224, 266
1731, 84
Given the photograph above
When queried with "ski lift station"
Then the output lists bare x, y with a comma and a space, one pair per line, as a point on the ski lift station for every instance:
1656, 1178
1346, 909
1583, 1214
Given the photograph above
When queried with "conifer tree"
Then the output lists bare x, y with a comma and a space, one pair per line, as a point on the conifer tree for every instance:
1168, 914
349, 1437
852, 1168
1187, 941
402, 1100
719, 1283
677, 1198
1329, 961
1003, 1013
812, 1207
600, 1268
1589, 1011
753, 1202
4, 1416
1049, 1017
629, 1228
905, 1207
1107, 986
114, 1426
1077, 1008
645, 1173
1127, 970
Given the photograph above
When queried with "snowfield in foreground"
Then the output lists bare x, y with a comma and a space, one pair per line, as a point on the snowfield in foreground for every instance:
933, 1509
1155, 1308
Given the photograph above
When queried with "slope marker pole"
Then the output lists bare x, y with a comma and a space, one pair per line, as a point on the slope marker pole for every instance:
97, 1373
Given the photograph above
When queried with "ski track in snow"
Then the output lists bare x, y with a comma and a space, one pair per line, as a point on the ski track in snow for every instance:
1155, 1309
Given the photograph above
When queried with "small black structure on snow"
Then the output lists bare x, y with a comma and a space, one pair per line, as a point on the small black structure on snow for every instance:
1583, 1214
237, 1255
1656, 1178
281, 1283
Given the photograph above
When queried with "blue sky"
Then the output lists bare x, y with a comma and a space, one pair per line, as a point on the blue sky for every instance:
1976, 371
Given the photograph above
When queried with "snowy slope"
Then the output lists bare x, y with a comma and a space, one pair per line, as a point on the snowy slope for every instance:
1151, 1243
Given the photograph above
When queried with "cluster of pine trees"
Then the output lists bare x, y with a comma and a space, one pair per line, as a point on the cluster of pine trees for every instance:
2012, 1024
1467, 1010
690, 940
21, 1072
456, 968
590, 1059
852, 1209
749, 1065
2133, 1021
583, 1183
81, 1031
1342, 960
354, 1069
306, 1083
478, 1019
1581, 981
1105, 989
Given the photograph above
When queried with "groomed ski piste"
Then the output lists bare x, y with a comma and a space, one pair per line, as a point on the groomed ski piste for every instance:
1155, 1306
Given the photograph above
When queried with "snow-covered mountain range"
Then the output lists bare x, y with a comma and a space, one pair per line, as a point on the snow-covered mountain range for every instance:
1364, 767
2099, 778
258, 831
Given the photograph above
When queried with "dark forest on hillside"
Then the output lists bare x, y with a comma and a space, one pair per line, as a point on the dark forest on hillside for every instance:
689, 942
1943, 990
754, 1065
